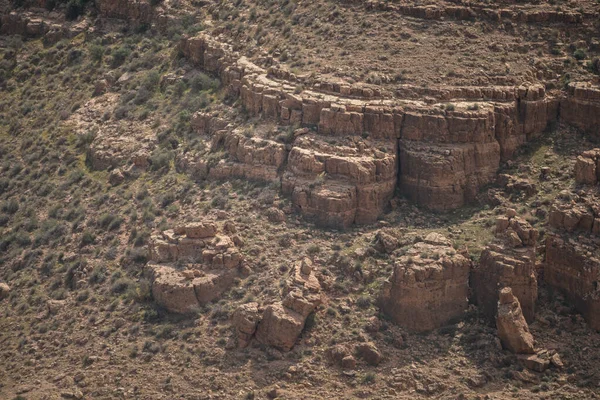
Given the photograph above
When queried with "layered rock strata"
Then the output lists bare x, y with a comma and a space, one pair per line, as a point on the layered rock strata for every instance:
338, 182
574, 269
445, 156
251, 158
513, 330
581, 108
481, 12
191, 265
508, 262
429, 286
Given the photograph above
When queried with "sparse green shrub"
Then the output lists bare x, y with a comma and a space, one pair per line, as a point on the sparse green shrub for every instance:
119, 56
121, 285
88, 237
202, 82
74, 9
160, 160
10, 207
363, 302
579, 54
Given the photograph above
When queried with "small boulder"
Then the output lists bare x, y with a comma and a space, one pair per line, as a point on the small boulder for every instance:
534, 362
348, 362
4, 290
275, 215
385, 243
116, 177
369, 353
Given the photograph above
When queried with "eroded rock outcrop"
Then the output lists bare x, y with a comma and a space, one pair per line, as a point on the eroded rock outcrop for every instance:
508, 262
513, 330
429, 286
581, 107
191, 265
445, 157
340, 182
572, 268
245, 321
249, 157
282, 322
587, 167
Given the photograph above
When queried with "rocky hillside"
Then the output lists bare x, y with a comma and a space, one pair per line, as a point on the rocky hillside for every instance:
260, 199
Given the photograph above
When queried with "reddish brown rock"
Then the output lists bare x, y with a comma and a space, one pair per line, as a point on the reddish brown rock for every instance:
429, 287
513, 330
570, 269
446, 158
139, 11
587, 167
581, 108
509, 262
369, 353
282, 323
338, 184
250, 158
245, 321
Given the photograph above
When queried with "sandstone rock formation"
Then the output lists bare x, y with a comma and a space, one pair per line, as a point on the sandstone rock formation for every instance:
245, 321
513, 330
509, 262
587, 167
570, 269
581, 108
211, 261
115, 142
283, 322
249, 157
445, 156
348, 181
429, 286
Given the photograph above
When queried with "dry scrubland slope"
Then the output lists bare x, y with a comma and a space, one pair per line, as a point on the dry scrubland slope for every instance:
102, 148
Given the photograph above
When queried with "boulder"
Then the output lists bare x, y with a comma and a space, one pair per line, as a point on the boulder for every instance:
245, 321
585, 171
280, 327
513, 330
4, 290
369, 353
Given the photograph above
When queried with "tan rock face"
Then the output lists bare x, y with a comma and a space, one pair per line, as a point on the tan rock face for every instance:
444, 156
194, 243
138, 11
587, 167
581, 108
213, 264
509, 262
513, 330
342, 181
428, 288
570, 270
245, 321
283, 322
